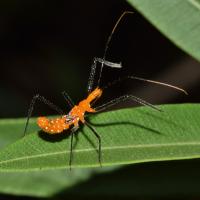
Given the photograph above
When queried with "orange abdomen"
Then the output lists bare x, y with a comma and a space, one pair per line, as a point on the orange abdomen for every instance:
53, 126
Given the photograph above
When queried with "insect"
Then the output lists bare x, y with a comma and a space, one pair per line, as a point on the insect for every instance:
76, 115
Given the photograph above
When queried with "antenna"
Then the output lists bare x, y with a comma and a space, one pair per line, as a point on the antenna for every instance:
109, 39
113, 30
145, 80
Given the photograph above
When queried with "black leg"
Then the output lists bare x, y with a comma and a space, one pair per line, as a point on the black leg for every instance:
68, 99
124, 98
98, 137
73, 130
103, 62
42, 99
71, 151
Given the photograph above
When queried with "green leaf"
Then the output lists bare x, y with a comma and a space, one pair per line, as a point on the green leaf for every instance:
128, 136
176, 19
38, 183
41, 183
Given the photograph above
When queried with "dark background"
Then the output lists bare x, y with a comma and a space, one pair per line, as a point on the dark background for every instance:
48, 46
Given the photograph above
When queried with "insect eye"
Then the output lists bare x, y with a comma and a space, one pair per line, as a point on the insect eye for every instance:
69, 119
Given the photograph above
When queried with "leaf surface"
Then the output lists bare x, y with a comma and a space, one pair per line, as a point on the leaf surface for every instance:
178, 20
128, 136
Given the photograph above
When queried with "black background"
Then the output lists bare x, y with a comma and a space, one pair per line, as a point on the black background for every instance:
48, 46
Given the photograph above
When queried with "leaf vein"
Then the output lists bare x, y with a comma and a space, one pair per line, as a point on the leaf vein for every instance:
105, 148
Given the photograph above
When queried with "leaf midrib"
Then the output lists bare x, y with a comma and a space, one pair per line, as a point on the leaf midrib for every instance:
105, 148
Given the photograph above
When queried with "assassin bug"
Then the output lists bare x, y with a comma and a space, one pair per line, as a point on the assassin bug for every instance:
76, 115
